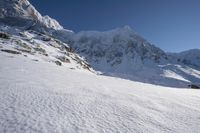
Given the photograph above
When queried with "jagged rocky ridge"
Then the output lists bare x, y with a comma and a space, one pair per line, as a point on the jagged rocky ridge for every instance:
25, 15
120, 52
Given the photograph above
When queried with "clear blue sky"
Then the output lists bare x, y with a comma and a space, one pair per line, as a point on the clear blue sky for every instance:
173, 25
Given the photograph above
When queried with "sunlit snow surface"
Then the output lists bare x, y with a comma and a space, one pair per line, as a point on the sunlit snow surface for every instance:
47, 87
43, 97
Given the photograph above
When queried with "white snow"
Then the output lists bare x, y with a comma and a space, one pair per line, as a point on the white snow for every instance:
42, 97
171, 74
189, 57
22, 9
34, 46
52, 23
38, 96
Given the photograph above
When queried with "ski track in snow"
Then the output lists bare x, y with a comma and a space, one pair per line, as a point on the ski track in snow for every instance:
44, 98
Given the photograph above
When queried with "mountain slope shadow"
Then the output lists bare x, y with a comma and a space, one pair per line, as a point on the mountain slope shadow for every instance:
172, 77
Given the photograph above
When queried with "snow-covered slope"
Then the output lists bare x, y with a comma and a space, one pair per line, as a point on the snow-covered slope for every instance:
190, 57
119, 50
42, 97
23, 15
123, 53
39, 47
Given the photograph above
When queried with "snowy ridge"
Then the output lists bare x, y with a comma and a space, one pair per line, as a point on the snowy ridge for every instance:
51, 23
190, 57
26, 15
112, 46
123, 53
40, 47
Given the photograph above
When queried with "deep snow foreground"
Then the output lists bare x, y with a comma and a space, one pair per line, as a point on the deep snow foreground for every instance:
43, 97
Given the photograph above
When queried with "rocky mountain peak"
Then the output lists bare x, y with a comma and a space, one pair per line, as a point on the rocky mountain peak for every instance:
25, 14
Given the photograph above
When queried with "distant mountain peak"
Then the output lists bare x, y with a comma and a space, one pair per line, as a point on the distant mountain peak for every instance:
126, 28
50, 22
190, 57
120, 49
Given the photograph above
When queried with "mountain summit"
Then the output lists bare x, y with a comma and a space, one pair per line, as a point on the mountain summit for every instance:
116, 48
21, 13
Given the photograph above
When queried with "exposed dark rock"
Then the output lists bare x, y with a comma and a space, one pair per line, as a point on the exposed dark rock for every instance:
4, 35
21, 34
35, 60
24, 50
193, 86
63, 59
178, 60
41, 51
46, 39
10, 51
23, 45
86, 66
68, 49
58, 63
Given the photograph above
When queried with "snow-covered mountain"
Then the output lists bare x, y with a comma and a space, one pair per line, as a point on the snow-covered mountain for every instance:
54, 80
25, 15
120, 52
115, 48
40, 48
28, 30
190, 57
123, 53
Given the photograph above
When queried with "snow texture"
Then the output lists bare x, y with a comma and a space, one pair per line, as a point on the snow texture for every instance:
42, 97
112, 81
